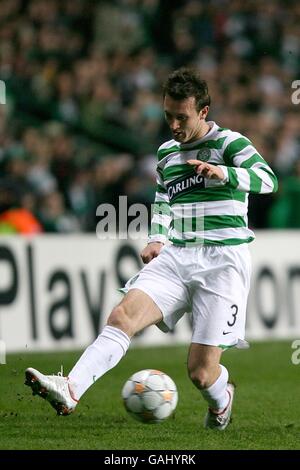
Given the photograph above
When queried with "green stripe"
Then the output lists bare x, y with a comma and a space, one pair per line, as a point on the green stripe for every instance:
211, 144
161, 207
233, 148
160, 189
267, 169
177, 170
189, 224
223, 221
158, 229
214, 194
210, 222
225, 346
159, 171
255, 182
233, 179
164, 152
206, 241
255, 158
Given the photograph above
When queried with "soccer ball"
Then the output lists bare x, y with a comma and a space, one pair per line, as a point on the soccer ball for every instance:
150, 396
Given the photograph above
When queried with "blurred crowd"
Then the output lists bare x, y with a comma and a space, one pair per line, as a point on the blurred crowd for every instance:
83, 115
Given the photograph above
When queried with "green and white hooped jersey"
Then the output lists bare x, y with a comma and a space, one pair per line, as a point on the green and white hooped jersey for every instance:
191, 209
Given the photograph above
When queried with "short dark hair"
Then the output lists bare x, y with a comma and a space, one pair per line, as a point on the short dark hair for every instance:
184, 83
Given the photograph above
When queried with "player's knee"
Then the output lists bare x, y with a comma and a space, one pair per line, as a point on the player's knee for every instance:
200, 377
119, 319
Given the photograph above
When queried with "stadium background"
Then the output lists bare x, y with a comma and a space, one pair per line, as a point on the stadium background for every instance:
83, 118
81, 125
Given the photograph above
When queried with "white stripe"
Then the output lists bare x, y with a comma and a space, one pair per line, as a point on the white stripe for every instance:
168, 144
162, 197
223, 233
177, 158
244, 154
216, 234
228, 207
160, 181
232, 136
210, 183
243, 179
161, 219
157, 238
188, 210
262, 166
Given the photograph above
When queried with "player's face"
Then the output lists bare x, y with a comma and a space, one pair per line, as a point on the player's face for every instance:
185, 122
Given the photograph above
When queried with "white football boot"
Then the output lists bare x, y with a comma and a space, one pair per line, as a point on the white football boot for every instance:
220, 420
53, 388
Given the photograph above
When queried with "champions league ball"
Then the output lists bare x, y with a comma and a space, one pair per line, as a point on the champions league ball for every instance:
150, 396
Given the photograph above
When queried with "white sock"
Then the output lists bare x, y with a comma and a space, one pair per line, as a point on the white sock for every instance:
216, 395
102, 355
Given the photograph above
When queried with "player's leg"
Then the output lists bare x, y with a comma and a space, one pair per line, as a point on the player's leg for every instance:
208, 375
211, 378
219, 314
203, 364
157, 294
136, 311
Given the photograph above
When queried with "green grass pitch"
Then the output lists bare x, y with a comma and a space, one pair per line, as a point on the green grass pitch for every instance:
265, 412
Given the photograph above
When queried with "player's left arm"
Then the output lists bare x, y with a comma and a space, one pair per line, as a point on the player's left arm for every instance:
245, 169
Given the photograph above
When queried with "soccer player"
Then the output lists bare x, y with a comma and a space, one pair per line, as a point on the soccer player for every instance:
204, 175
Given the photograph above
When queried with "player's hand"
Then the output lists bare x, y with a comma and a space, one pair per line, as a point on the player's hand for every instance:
207, 170
151, 251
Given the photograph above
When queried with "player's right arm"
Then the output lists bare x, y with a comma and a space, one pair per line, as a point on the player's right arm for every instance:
160, 222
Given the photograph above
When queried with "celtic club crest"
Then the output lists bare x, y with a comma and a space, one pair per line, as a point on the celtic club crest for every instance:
203, 155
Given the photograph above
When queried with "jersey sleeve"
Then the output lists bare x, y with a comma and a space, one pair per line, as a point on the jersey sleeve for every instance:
246, 170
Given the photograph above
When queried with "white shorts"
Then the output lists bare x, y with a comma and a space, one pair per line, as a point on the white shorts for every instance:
211, 282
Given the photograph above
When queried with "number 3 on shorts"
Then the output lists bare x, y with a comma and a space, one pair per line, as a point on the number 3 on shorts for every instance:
234, 315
